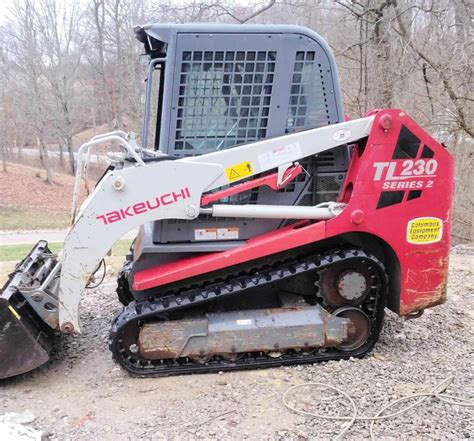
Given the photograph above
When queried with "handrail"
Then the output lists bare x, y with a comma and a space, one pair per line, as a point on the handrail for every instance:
148, 91
99, 139
114, 132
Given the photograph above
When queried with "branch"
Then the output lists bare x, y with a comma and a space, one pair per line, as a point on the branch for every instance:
438, 69
252, 15
427, 85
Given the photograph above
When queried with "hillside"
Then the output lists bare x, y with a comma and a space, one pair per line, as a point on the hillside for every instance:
28, 202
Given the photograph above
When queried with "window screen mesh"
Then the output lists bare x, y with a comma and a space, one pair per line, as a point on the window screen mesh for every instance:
223, 99
308, 106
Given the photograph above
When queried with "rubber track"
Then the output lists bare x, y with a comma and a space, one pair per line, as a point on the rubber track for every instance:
139, 311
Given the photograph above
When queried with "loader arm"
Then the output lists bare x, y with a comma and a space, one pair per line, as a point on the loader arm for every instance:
126, 199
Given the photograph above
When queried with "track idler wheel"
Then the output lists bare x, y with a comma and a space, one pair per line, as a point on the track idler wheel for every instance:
346, 283
361, 327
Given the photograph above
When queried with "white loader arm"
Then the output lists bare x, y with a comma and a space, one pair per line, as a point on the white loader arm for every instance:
171, 189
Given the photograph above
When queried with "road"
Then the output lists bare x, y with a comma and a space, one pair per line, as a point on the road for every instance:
55, 154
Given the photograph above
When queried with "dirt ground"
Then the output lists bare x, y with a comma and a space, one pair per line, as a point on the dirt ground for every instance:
27, 202
83, 395
21, 187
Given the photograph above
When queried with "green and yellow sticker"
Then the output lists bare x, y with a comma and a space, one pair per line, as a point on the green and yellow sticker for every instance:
424, 230
239, 171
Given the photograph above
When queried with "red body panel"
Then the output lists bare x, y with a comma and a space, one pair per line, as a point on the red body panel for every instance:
416, 226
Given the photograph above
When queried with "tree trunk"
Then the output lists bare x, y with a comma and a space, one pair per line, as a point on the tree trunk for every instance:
383, 78
19, 149
45, 159
4, 158
120, 64
69, 143
70, 150
104, 95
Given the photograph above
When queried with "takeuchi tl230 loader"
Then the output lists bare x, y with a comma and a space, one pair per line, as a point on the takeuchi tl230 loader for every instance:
272, 230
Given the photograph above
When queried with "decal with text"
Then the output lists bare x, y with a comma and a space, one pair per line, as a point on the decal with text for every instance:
407, 174
424, 230
144, 206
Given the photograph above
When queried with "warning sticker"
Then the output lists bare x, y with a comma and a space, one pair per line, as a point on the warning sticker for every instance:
425, 230
280, 155
228, 233
216, 233
239, 171
205, 234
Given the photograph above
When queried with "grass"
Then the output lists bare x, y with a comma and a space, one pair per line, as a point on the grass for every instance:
13, 218
14, 253
10, 255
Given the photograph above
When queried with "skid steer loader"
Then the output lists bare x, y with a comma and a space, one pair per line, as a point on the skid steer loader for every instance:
272, 231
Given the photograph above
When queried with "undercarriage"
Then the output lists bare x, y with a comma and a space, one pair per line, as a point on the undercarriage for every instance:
291, 309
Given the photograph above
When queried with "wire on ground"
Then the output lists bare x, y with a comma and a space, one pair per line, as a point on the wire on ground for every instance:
436, 392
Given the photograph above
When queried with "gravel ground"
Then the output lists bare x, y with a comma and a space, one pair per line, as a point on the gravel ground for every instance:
82, 395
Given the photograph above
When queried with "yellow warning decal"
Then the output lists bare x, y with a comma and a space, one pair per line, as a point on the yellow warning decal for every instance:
13, 311
239, 171
424, 230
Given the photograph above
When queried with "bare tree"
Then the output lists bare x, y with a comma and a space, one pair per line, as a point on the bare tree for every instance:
59, 30
456, 89
103, 91
27, 57
3, 123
